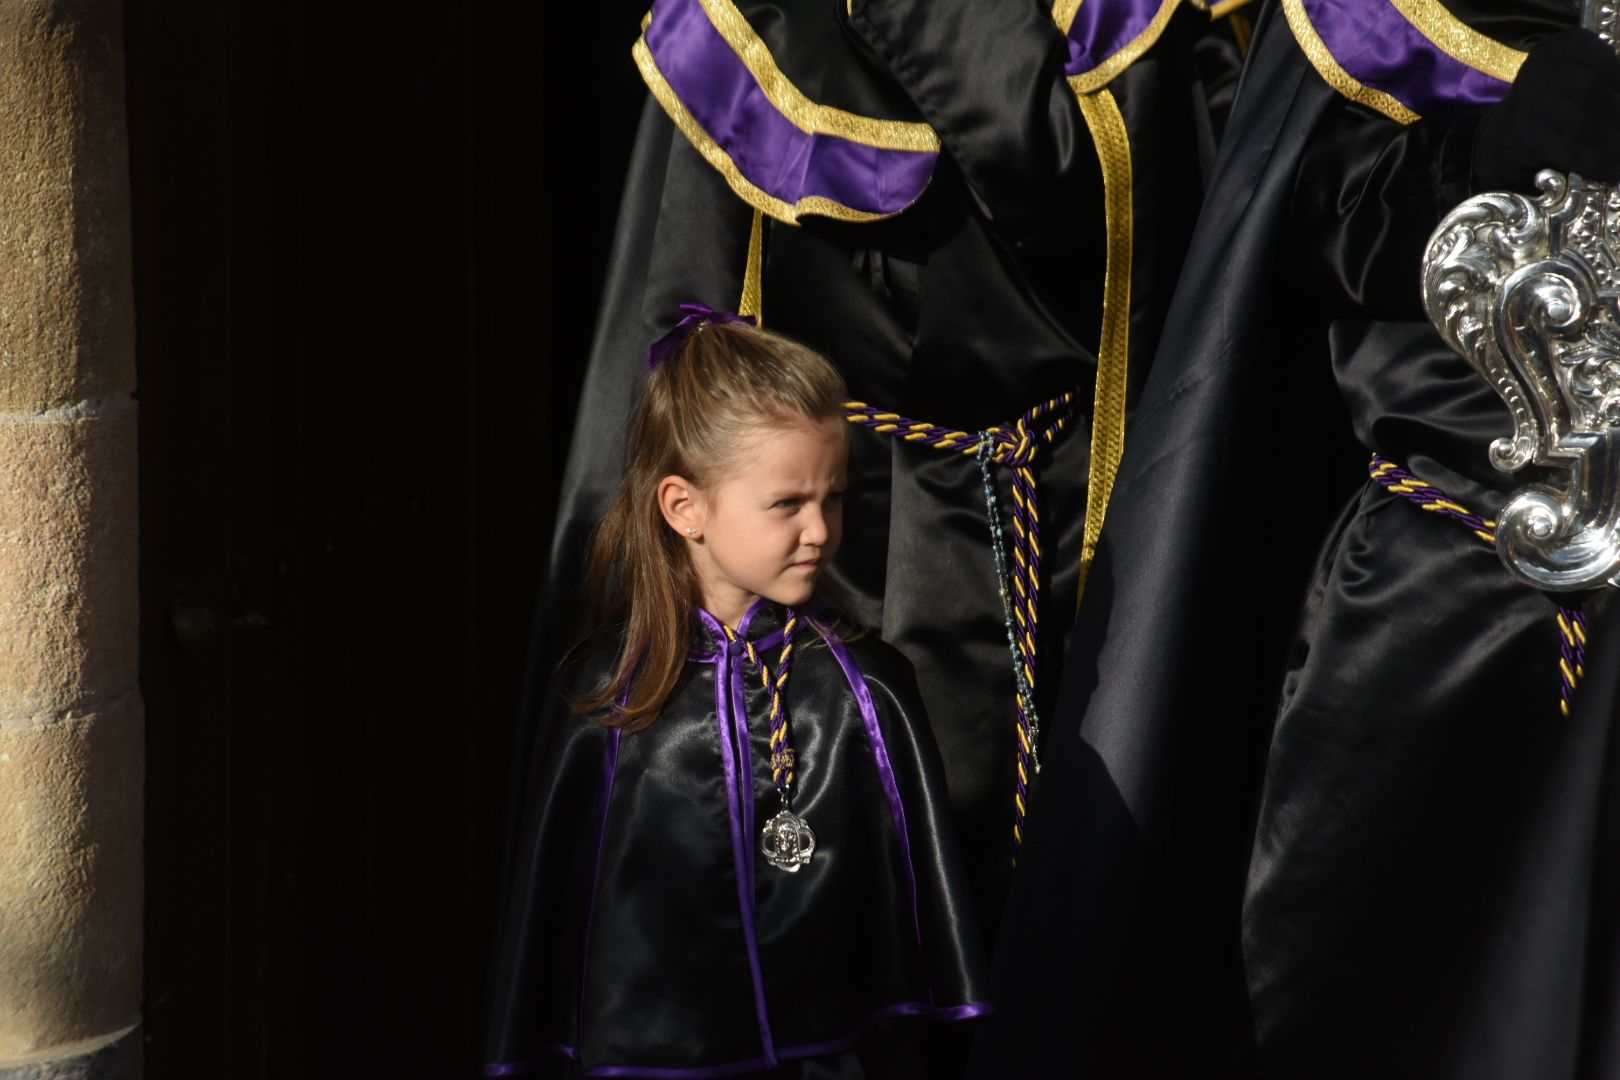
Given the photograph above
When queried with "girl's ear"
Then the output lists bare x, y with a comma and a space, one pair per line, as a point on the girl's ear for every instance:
682, 505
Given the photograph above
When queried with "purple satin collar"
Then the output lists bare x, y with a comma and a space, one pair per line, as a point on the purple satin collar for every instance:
1377, 46
717, 634
1102, 29
694, 316
787, 163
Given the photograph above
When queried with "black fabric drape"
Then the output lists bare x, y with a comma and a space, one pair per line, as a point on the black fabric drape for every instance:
1420, 899
626, 878
977, 303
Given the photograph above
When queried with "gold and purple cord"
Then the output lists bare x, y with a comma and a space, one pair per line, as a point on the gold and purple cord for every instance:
1027, 727
1572, 654
782, 756
1016, 445
1571, 621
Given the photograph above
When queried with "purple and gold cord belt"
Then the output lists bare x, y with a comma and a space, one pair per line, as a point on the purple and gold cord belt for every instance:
1015, 445
1425, 496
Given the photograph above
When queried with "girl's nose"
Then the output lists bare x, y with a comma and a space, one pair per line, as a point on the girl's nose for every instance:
814, 533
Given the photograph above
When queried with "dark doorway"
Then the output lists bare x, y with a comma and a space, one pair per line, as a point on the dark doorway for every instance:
368, 242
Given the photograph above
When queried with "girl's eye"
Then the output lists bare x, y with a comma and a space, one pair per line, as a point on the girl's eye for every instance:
786, 504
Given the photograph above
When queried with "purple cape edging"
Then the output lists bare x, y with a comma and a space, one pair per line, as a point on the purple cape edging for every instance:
745, 870
1103, 27
773, 153
880, 754
729, 696
1374, 43
727, 678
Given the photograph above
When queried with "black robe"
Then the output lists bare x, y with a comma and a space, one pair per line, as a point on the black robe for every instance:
967, 309
1316, 817
647, 936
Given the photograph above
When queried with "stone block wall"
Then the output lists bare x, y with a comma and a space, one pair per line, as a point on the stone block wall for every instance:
70, 709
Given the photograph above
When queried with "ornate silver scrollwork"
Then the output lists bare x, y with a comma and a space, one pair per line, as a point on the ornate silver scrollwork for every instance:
1528, 290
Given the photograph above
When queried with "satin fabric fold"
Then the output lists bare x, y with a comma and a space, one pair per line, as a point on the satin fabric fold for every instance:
646, 936
1106, 33
732, 77
979, 301
1314, 815
1378, 46
1425, 806
787, 162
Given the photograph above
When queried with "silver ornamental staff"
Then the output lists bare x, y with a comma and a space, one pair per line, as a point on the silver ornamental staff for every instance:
1528, 291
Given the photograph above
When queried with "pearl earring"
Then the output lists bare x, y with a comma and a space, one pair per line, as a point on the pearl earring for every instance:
690, 531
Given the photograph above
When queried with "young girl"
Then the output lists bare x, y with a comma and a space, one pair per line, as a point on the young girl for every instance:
735, 855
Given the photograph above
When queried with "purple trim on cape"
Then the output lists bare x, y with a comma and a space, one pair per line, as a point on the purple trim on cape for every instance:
745, 791
880, 754
726, 676
1376, 45
937, 1013
774, 154
717, 634
770, 640
1102, 28
748, 616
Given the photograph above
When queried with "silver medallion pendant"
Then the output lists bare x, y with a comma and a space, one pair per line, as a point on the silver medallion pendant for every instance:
787, 842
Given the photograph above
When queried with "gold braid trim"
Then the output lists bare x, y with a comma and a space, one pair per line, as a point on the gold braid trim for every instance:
805, 114
753, 294
1113, 141
1088, 82
1460, 41
716, 156
1063, 13
1225, 7
1321, 58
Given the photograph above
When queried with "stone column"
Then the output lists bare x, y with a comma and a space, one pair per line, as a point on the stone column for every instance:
70, 710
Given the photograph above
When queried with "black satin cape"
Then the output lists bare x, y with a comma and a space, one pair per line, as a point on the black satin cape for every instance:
1316, 817
969, 308
646, 935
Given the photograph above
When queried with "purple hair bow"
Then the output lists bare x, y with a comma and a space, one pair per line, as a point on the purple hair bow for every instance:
695, 315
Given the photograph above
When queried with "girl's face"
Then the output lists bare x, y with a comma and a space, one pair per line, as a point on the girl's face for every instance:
769, 526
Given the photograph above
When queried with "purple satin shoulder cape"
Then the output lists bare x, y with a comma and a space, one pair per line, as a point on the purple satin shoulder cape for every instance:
646, 935
802, 118
1403, 58
1104, 37
1316, 815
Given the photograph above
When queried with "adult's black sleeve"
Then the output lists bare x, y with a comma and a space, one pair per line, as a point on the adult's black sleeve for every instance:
989, 77
1370, 191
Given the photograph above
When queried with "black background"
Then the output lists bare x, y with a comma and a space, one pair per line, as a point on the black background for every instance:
369, 240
